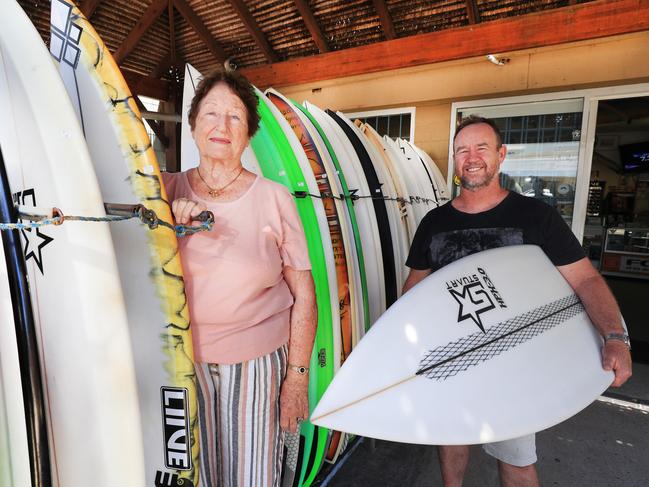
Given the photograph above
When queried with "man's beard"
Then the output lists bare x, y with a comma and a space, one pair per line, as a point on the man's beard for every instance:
472, 185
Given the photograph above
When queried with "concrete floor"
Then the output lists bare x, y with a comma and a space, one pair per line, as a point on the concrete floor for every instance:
606, 445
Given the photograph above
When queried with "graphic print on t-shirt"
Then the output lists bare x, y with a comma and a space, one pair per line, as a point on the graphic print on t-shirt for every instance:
447, 247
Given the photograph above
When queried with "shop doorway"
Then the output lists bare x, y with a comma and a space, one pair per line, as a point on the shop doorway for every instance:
616, 231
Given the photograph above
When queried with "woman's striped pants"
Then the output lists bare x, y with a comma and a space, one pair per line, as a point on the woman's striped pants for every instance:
240, 438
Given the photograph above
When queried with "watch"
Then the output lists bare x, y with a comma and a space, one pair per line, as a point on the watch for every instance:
300, 369
623, 337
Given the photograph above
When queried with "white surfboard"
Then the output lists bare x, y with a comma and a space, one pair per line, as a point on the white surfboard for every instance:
414, 177
189, 157
437, 174
398, 179
474, 353
400, 242
428, 178
82, 329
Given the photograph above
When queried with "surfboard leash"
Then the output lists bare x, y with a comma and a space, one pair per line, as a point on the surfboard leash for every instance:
114, 213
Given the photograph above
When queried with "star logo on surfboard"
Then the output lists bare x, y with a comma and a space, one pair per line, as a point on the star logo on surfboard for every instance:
34, 238
473, 300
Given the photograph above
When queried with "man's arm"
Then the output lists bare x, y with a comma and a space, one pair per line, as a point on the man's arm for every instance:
415, 277
603, 311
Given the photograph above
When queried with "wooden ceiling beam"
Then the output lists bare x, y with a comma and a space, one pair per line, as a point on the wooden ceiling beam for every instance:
386, 19
253, 29
146, 85
197, 24
88, 8
149, 16
472, 12
591, 20
312, 25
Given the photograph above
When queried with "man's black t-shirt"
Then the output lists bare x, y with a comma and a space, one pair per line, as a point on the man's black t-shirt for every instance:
446, 234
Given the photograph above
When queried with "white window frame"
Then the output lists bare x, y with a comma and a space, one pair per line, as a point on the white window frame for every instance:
591, 99
388, 111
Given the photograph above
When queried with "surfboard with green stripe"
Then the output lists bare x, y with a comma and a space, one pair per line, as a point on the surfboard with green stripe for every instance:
278, 163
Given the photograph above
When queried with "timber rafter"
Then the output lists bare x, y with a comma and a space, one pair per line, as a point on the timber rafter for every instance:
472, 12
385, 18
312, 25
149, 16
203, 32
253, 29
88, 7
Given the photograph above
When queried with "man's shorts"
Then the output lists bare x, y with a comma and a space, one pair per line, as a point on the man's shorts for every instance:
519, 452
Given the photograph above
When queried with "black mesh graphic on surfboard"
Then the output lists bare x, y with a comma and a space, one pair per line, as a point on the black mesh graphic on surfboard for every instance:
455, 357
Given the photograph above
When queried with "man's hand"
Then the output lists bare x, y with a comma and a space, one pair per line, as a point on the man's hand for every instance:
617, 357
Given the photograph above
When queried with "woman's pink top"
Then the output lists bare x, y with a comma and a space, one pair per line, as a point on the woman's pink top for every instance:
238, 299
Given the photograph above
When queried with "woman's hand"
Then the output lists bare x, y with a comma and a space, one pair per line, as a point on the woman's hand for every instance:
293, 401
186, 210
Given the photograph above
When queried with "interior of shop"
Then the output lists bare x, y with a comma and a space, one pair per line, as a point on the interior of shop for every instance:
616, 234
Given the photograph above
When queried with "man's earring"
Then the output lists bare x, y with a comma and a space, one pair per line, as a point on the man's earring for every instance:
456, 180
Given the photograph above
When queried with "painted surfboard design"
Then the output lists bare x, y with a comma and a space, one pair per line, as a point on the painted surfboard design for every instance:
332, 210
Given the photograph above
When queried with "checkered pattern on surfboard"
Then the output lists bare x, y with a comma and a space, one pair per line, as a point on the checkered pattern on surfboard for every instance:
455, 357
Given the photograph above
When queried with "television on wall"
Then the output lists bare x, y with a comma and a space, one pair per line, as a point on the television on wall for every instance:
635, 157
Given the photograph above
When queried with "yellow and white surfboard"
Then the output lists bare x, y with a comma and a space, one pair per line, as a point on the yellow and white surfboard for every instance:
148, 260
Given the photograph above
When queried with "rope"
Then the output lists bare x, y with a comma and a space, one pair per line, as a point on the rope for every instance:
354, 197
119, 213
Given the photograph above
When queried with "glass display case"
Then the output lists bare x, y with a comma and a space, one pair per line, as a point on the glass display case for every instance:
626, 252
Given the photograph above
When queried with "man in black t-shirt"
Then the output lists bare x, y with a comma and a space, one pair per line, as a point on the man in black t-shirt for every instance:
484, 216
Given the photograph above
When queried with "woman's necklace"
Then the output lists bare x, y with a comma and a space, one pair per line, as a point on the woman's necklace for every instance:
214, 192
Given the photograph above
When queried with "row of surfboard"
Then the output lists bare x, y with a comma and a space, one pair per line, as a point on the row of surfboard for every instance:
97, 385
360, 197
95, 343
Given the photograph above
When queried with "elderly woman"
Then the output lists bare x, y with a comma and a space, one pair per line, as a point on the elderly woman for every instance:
250, 293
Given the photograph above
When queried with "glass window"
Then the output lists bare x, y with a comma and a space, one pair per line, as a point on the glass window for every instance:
395, 125
382, 126
152, 105
542, 141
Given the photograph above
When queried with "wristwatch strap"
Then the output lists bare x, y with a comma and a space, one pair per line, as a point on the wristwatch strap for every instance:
623, 337
300, 369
